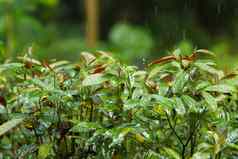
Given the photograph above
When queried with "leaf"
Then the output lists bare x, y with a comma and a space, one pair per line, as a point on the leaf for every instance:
180, 81
5, 127
39, 83
44, 151
10, 66
2, 110
190, 103
205, 67
180, 109
99, 69
202, 85
172, 153
162, 60
221, 88
139, 138
87, 57
85, 127
165, 102
58, 64
230, 75
132, 104
25, 150
94, 79
233, 146
210, 100
177, 53
205, 52
153, 155
201, 155
119, 135
232, 137
30, 60
104, 54
219, 141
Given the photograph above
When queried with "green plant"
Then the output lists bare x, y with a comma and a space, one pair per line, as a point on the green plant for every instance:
19, 25
178, 107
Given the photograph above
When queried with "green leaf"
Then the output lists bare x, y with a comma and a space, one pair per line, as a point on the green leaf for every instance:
82, 127
190, 103
87, 57
2, 110
201, 155
233, 146
165, 102
132, 104
207, 68
221, 88
205, 52
5, 127
44, 151
202, 85
10, 66
177, 53
172, 153
232, 137
152, 155
210, 100
25, 150
180, 109
180, 81
94, 79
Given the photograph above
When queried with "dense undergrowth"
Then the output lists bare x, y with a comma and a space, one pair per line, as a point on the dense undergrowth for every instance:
177, 107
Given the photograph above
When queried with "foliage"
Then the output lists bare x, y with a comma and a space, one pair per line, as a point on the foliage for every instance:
130, 39
178, 107
19, 27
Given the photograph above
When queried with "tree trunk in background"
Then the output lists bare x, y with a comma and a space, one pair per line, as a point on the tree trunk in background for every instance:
92, 19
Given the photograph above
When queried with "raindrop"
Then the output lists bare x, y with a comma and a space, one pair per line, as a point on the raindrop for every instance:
219, 7
143, 61
156, 10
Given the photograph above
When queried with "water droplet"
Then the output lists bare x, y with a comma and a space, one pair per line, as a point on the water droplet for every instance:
156, 10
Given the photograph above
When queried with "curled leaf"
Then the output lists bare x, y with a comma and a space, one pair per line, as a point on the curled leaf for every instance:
87, 57
205, 52
94, 79
162, 60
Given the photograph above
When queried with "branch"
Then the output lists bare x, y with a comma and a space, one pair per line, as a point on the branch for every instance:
171, 127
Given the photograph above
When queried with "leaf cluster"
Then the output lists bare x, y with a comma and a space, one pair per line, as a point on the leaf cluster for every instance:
177, 107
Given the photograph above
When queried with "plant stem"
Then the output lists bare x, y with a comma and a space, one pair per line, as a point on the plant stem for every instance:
172, 128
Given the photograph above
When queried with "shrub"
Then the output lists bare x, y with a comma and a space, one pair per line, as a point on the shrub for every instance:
177, 107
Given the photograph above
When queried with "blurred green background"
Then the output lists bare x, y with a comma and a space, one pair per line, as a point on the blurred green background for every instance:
134, 30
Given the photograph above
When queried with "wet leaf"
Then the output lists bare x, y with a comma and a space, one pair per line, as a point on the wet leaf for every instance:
172, 153
221, 88
180, 81
94, 79
7, 126
201, 155
44, 151
191, 104
211, 101
85, 127
87, 57
162, 60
